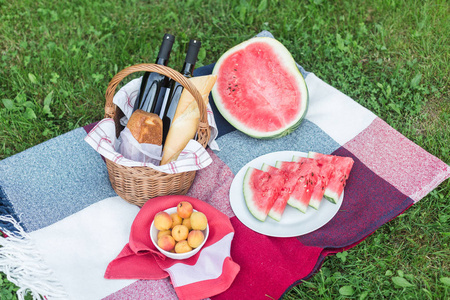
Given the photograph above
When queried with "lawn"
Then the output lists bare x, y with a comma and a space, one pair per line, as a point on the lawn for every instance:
391, 56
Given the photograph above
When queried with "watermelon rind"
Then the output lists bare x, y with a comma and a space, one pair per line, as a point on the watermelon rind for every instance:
265, 167
289, 65
332, 197
275, 215
314, 203
248, 196
295, 203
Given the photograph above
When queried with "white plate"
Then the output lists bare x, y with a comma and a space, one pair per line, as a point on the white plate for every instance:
293, 221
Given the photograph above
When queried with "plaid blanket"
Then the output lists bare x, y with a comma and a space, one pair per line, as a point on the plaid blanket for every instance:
65, 224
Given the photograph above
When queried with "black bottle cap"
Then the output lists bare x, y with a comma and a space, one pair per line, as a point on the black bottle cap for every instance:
166, 46
192, 52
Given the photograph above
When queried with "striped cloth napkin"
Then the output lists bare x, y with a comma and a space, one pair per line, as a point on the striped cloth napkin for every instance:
103, 139
209, 272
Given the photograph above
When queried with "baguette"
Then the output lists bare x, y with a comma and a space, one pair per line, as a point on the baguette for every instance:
146, 127
186, 119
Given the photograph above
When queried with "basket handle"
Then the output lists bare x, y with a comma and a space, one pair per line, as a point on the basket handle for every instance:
110, 107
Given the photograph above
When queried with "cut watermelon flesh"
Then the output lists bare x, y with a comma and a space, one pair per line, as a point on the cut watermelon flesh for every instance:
287, 166
301, 195
322, 181
260, 192
317, 194
307, 179
279, 177
325, 172
259, 89
338, 179
257, 99
291, 170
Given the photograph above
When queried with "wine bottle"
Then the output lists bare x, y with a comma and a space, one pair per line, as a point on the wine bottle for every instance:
154, 85
176, 88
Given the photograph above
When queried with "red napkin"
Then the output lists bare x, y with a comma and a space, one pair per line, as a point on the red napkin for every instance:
207, 273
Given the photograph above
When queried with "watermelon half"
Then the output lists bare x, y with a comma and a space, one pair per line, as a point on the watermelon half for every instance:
259, 89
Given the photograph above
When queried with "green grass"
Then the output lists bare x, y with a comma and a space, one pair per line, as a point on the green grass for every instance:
56, 60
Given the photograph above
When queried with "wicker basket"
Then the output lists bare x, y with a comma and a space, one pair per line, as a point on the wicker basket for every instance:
139, 184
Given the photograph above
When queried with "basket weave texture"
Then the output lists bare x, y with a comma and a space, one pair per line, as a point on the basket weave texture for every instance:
137, 185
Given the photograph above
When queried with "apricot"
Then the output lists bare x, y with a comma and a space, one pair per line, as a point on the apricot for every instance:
198, 220
166, 242
162, 221
184, 209
176, 219
187, 222
182, 247
195, 238
180, 232
163, 232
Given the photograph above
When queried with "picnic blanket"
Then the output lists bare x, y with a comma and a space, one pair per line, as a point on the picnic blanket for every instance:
64, 223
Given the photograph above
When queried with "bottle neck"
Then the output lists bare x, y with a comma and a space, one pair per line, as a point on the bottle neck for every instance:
164, 50
162, 61
188, 69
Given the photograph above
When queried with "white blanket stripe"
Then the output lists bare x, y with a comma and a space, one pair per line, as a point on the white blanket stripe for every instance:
334, 112
208, 266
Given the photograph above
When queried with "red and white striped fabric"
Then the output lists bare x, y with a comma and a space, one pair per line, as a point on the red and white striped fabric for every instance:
103, 139
210, 272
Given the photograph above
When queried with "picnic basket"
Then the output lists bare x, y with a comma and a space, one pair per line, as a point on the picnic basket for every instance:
136, 185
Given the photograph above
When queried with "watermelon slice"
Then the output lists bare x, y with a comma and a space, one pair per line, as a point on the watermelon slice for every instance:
291, 169
259, 88
337, 181
325, 172
288, 166
306, 182
260, 192
280, 178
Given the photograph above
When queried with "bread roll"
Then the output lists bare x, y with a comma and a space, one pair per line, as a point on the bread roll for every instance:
187, 116
146, 127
